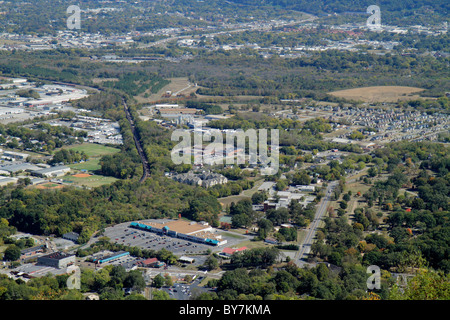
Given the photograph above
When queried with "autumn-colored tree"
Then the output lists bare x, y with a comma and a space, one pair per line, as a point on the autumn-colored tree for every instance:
425, 285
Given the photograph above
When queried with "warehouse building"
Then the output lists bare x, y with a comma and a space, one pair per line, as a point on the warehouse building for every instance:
57, 260
72, 236
14, 168
7, 180
51, 172
15, 155
29, 252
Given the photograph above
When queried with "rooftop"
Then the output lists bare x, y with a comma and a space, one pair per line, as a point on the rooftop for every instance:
51, 169
179, 226
230, 251
57, 255
19, 167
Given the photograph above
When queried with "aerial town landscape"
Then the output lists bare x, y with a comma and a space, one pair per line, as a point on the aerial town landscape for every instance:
99, 101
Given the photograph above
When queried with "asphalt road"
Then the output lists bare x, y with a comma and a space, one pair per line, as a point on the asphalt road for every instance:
181, 291
306, 246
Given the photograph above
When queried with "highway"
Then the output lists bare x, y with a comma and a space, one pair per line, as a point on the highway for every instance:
311, 231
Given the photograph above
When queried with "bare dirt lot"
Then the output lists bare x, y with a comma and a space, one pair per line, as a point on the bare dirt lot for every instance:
379, 93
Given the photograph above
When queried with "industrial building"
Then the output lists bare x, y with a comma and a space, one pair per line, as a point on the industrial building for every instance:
4, 111
7, 180
57, 260
29, 252
192, 231
51, 172
14, 168
72, 236
15, 155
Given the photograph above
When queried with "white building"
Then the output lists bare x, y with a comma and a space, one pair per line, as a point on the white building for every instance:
15, 155
56, 171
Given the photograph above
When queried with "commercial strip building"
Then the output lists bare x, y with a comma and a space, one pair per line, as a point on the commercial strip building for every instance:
200, 232
111, 257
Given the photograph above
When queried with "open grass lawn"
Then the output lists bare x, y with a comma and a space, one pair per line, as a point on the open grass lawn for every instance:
226, 202
246, 194
231, 235
91, 181
93, 150
254, 244
90, 165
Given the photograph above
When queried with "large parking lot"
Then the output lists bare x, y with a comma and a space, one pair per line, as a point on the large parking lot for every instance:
181, 291
123, 234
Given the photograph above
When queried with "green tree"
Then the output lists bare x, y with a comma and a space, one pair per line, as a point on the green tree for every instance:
301, 178
161, 295
158, 281
12, 253
259, 197
211, 263
425, 285
101, 279
168, 279
134, 280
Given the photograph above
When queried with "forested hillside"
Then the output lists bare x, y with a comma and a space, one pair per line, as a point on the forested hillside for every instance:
392, 11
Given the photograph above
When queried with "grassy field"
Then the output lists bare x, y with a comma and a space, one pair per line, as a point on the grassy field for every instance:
231, 235
246, 194
94, 151
254, 244
91, 181
90, 165
225, 202
379, 93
